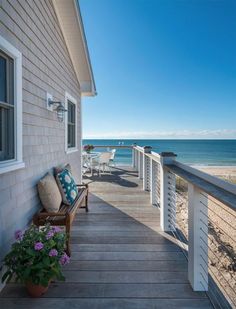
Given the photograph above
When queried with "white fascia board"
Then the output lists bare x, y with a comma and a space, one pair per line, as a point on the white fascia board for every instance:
70, 20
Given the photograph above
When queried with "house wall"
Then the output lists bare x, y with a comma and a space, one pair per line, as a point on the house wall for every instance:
32, 27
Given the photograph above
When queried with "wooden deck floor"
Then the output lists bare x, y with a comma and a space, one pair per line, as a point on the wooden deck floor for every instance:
120, 258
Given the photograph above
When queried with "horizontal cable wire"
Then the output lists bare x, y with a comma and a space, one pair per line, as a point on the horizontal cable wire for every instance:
218, 259
215, 202
217, 214
214, 223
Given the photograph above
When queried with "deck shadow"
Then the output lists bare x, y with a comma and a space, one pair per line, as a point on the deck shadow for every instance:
115, 178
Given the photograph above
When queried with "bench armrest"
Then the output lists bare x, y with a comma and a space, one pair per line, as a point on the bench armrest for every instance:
50, 214
85, 185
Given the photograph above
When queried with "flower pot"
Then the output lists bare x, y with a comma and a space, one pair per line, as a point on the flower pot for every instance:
36, 290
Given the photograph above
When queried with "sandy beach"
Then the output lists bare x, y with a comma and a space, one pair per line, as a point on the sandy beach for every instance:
226, 172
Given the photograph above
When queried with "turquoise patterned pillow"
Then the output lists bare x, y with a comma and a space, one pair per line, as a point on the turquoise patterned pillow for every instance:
67, 187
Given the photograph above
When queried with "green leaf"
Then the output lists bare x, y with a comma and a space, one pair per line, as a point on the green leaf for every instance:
7, 275
44, 282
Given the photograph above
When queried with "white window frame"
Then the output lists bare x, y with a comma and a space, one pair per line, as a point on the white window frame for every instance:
69, 97
15, 54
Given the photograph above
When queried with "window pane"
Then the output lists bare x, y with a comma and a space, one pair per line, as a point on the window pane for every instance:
71, 135
71, 112
3, 79
68, 137
71, 124
6, 133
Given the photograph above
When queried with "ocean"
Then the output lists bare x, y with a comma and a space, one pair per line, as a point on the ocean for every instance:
192, 152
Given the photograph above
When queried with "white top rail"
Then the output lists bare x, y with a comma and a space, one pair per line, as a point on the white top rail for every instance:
212, 179
114, 146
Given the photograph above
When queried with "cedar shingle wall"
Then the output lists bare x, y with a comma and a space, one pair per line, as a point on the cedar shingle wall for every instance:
32, 27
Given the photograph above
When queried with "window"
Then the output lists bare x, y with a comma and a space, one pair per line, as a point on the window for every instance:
10, 107
71, 123
7, 151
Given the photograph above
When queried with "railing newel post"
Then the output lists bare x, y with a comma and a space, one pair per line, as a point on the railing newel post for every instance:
146, 168
138, 160
134, 156
167, 205
197, 239
140, 169
152, 181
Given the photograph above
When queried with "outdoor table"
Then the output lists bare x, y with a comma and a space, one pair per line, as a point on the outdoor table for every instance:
88, 158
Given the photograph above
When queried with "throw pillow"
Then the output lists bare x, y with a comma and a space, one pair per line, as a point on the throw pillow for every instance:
67, 187
49, 193
60, 168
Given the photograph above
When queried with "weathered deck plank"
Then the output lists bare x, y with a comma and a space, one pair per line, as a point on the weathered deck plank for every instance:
120, 258
105, 303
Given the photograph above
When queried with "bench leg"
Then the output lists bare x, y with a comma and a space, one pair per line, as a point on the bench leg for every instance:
68, 250
86, 202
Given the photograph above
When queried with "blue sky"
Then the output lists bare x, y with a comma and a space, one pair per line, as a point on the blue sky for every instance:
163, 68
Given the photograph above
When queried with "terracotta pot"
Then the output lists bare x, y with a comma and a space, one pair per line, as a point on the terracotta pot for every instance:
36, 290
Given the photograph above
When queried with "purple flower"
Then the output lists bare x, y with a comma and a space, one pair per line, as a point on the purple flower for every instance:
56, 229
64, 259
53, 252
19, 235
38, 246
49, 235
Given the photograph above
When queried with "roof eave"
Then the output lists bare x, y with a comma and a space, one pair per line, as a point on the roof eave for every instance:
69, 17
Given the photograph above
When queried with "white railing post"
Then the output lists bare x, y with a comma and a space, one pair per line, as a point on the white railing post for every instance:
134, 155
146, 168
152, 189
154, 183
138, 160
140, 168
197, 239
167, 193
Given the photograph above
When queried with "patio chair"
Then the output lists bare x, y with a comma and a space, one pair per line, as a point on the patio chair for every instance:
102, 162
112, 159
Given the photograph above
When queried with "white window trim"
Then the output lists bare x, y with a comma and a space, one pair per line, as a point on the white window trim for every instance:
74, 101
17, 163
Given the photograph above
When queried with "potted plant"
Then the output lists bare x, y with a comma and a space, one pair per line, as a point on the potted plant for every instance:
88, 148
36, 258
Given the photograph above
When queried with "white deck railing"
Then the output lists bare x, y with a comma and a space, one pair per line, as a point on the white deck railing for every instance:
158, 172
206, 195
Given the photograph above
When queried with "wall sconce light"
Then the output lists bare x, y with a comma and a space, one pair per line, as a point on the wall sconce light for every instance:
60, 109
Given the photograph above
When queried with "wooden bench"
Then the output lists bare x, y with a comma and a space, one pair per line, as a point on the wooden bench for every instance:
65, 215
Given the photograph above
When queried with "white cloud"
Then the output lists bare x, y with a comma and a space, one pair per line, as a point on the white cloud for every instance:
188, 134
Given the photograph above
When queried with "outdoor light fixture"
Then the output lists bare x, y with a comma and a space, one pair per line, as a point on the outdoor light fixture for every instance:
60, 109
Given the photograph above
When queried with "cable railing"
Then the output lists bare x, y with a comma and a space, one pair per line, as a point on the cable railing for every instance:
221, 240
201, 214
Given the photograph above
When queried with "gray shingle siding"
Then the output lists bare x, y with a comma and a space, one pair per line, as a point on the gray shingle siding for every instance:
32, 27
